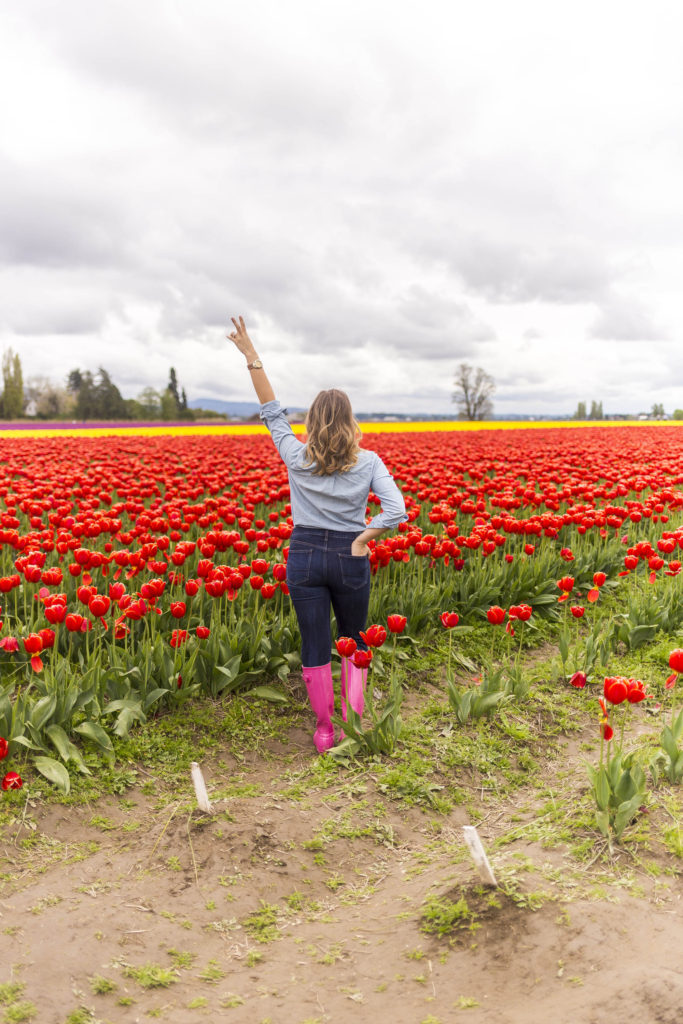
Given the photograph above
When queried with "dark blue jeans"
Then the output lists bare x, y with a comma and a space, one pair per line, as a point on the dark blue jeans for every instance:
322, 573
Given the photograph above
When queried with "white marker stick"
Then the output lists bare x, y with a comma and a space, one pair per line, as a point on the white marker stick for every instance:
479, 857
200, 788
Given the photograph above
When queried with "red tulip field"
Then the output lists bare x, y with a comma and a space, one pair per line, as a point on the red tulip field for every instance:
525, 661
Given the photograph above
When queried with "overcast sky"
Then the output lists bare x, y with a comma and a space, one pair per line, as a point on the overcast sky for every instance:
383, 190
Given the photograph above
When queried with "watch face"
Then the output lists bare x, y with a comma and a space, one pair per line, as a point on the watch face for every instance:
257, 365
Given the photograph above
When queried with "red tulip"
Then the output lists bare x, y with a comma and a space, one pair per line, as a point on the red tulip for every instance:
449, 619
203, 632
606, 730
33, 643
178, 637
374, 636
523, 612
396, 623
599, 578
346, 646
577, 611
676, 660
566, 584
615, 689
99, 605
636, 691
55, 613
4, 747
496, 615
579, 680
12, 781
48, 638
362, 659
178, 609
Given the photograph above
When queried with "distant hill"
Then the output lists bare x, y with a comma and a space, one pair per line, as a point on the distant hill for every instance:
242, 409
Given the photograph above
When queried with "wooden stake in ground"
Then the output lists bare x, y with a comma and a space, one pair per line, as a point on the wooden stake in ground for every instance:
200, 788
474, 845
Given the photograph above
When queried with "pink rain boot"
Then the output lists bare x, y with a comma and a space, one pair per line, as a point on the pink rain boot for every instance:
353, 681
321, 696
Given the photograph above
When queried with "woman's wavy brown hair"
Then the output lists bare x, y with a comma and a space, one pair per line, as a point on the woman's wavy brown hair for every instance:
332, 433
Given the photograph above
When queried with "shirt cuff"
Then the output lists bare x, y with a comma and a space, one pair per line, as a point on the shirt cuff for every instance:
271, 410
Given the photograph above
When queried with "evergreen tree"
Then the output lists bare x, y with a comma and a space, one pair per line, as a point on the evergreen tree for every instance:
96, 399
109, 403
13, 386
580, 413
173, 388
169, 406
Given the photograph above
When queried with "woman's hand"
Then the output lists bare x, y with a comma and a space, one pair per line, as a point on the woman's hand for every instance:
242, 340
359, 548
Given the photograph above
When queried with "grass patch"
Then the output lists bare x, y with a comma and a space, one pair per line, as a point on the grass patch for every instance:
263, 925
152, 975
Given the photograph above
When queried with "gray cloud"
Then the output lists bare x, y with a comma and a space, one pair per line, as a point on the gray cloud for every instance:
352, 182
625, 318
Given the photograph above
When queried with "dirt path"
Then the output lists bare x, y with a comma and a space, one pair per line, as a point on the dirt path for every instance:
301, 901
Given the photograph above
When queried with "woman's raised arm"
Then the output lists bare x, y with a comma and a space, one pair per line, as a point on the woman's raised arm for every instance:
262, 386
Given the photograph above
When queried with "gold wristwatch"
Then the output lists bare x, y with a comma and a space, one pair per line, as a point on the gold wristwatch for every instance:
256, 365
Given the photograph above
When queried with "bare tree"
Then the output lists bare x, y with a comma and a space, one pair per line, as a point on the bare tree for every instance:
473, 390
46, 400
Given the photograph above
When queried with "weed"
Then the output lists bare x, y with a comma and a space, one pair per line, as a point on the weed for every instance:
45, 901
465, 1003
10, 991
231, 1001
441, 916
253, 957
17, 1013
80, 1016
181, 958
212, 972
334, 882
101, 986
198, 1003
152, 975
674, 840
295, 900
105, 824
262, 925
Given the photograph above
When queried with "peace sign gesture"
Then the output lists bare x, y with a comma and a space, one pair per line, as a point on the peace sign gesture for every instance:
241, 339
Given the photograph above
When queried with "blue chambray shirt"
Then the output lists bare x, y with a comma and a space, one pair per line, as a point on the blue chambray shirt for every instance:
336, 501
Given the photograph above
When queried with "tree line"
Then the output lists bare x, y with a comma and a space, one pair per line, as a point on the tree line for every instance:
88, 396
657, 412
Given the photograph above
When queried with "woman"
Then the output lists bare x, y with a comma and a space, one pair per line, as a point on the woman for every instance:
330, 478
